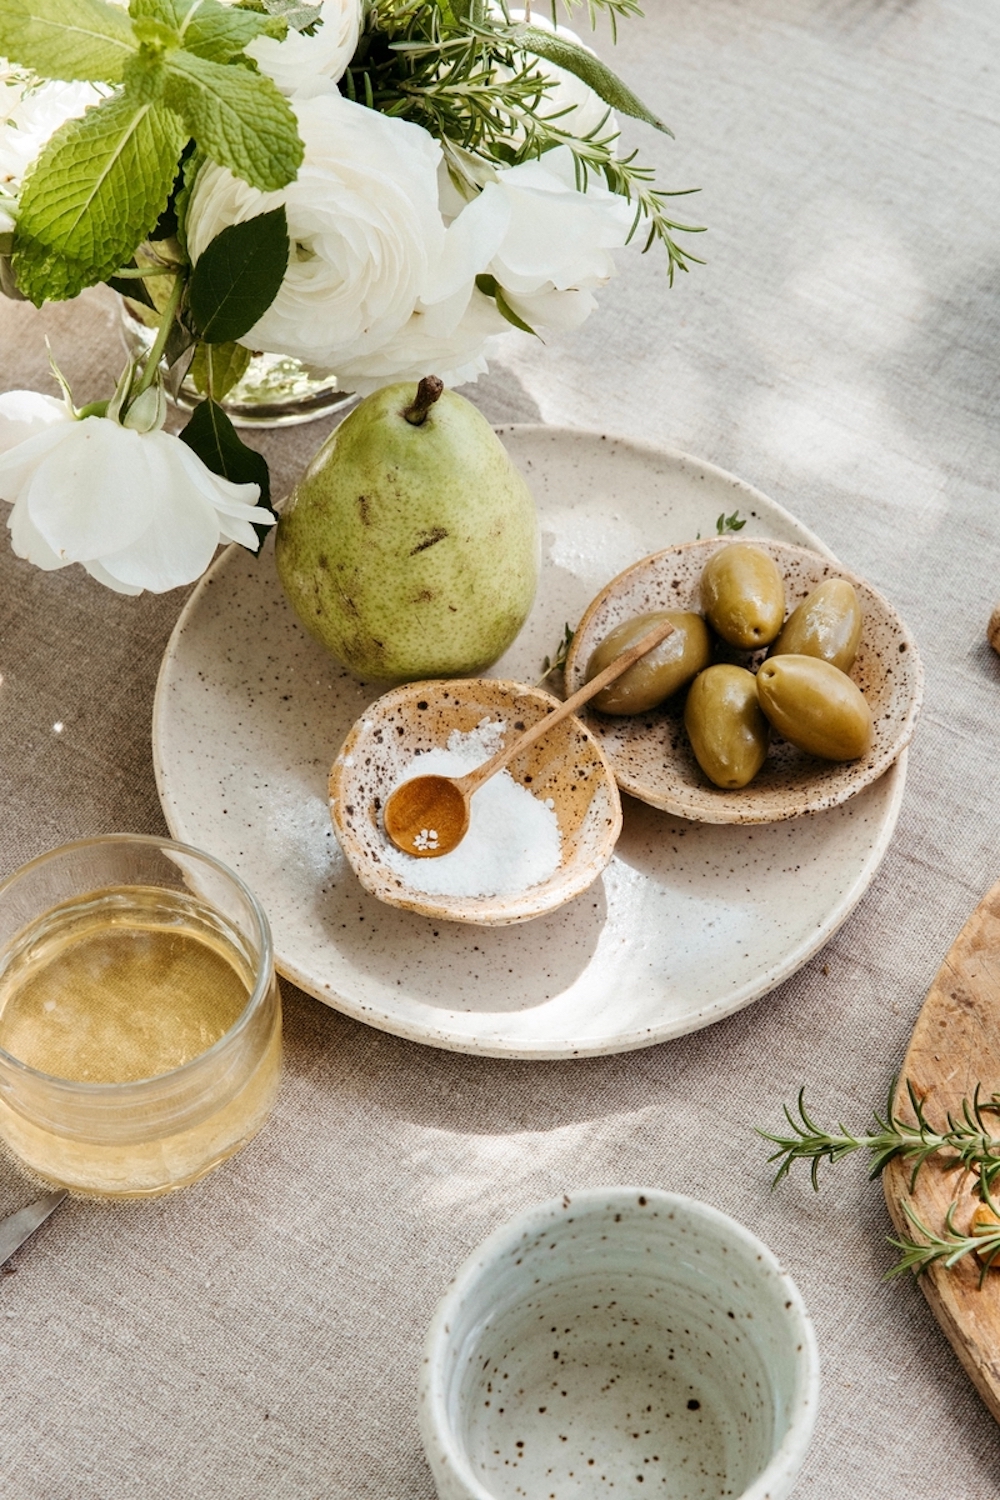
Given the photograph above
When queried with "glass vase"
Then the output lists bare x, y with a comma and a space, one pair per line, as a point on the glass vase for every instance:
275, 391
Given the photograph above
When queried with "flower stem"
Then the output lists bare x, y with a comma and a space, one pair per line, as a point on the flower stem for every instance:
136, 273
155, 354
93, 409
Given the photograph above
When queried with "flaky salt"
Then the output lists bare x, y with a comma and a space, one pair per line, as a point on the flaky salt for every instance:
513, 839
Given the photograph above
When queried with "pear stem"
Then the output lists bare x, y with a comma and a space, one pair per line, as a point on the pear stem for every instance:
428, 391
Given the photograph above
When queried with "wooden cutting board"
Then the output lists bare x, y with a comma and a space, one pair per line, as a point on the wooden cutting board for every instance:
955, 1045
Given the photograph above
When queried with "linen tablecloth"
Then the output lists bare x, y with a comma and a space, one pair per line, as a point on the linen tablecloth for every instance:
260, 1333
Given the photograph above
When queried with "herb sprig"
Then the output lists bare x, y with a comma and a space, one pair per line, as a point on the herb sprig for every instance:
969, 1142
558, 662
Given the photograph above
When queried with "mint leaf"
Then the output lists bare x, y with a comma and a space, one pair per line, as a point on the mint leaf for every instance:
237, 277
296, 13
237, 117
213, 437
583, 64
216, 368
217, 32
93, 195
83, 41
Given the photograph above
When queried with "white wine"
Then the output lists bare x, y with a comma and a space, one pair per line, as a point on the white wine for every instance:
108, 996
124, 985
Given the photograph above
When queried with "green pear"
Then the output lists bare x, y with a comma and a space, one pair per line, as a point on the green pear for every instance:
410, 546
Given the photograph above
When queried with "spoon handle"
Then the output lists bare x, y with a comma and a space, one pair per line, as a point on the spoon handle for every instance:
474, 780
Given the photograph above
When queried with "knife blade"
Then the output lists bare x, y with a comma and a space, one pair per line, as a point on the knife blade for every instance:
18, 1227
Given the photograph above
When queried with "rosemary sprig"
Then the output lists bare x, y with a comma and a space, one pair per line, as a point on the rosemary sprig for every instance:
458, 71
948, 1248
968, 1141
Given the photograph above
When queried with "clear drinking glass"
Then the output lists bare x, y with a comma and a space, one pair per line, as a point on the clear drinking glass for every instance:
140, 1016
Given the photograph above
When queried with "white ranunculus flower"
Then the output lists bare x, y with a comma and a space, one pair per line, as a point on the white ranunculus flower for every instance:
449, 339
29, 114
368, 239
139, 510
298, 60
549, 245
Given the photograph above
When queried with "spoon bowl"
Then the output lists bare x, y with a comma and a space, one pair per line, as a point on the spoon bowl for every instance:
427, 816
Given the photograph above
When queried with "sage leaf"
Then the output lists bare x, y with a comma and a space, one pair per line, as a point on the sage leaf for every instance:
238, 118
237, 277
92, 196
583, 64
213, 437
216, 368
85, 41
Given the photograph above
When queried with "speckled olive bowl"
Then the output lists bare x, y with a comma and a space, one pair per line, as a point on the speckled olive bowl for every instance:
567, 766
620, 1341
650, 753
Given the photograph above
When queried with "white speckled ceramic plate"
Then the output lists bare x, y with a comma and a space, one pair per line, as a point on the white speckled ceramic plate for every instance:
688, 923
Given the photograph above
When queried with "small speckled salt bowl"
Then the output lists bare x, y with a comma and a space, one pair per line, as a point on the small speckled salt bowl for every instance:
650, 752
623, 1342
566, 766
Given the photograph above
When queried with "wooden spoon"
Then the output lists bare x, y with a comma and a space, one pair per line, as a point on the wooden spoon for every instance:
429, 815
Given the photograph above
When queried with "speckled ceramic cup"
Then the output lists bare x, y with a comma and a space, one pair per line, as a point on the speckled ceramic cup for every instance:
621, 1342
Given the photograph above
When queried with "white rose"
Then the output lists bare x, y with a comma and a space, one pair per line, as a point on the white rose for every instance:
29, 114
368, 240
300, 59
548, 245
139, 510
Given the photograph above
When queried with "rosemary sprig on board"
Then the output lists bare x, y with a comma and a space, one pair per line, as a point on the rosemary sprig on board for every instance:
969, 1143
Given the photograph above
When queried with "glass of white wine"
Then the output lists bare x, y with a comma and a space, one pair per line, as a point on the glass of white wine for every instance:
140, 1016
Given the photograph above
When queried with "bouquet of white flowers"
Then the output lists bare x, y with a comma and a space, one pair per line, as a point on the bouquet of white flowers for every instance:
372, 187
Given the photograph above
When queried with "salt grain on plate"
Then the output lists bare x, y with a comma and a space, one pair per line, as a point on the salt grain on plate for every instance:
513, 841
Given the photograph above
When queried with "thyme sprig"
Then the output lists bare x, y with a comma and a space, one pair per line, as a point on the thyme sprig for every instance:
558, 662
968, 1143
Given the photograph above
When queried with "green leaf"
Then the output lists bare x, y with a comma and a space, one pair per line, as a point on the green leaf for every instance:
93, 195
134, 288
216, 368
491, 288
237, 277
583, 64
73, 40
238, 118
214, 31
298, 15
213, 437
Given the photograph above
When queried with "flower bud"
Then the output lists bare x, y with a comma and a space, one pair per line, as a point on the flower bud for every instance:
147, 412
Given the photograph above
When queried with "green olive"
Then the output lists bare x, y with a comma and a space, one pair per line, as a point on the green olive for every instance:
826, 624
743, 595
815, 706
729, 735
669, 666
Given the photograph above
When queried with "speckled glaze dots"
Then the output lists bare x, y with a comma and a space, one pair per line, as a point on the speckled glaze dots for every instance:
619, 1342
